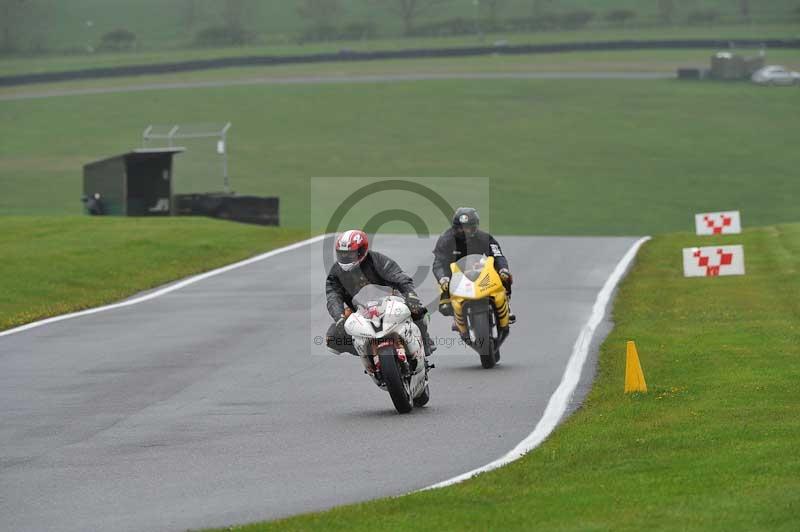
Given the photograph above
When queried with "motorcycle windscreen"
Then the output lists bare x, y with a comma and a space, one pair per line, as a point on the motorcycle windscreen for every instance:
372, 295
471, 266
460, 286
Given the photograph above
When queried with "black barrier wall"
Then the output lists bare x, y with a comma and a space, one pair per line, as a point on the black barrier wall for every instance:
247, 209
347, 55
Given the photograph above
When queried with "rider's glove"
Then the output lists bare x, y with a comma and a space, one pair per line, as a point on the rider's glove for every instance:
506, 277
444, 284
416, 307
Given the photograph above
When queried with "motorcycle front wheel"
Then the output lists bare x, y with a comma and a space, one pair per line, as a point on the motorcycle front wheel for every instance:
484, 343
395, 382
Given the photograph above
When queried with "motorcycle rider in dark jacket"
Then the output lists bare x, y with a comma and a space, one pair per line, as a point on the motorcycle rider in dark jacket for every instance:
461, 239
356, 267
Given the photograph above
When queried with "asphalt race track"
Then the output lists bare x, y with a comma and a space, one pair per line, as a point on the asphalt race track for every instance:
316, 80
211, 405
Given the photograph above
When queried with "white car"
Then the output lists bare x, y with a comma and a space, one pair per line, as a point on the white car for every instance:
775, 75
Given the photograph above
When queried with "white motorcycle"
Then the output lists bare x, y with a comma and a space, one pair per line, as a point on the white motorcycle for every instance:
390, 346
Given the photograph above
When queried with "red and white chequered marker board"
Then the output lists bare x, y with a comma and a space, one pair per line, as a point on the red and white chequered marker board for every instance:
713, 261
718, 223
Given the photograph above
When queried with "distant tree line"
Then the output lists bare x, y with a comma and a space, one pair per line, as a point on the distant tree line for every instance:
323, 19
322, 16
21, 25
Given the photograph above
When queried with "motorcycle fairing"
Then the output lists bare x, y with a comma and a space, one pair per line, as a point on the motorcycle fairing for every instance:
480, 282
384, 319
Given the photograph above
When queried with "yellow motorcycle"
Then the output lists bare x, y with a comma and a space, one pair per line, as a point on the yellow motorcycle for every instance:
480, 306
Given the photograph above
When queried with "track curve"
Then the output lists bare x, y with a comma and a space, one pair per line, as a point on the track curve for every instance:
212, 405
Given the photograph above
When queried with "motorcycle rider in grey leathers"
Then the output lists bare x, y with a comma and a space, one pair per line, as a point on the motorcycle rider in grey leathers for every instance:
357, 266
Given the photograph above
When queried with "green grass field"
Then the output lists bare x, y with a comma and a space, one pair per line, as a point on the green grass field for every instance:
578, 157
712, 446
57, 265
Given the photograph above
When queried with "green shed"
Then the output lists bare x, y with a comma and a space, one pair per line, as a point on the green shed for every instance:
137, 183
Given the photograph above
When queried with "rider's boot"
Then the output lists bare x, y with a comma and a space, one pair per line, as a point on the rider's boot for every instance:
512, 318
427, 343
445, 306
428, 349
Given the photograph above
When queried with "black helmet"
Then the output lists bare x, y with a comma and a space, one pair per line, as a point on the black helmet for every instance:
466, 221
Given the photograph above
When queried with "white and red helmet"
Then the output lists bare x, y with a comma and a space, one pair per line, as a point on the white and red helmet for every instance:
351, 248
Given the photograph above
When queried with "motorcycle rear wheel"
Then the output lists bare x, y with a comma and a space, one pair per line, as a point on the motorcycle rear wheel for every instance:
395, 382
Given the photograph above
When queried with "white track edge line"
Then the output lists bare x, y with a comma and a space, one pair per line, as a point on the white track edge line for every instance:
559, 401
167, 289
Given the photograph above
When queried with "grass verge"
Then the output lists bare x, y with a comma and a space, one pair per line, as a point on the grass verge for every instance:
564, 157
57, 265
712, 446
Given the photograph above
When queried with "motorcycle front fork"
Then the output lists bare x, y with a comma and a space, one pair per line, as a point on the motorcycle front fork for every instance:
410, 365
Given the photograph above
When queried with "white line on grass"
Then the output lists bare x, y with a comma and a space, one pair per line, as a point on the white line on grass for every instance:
559, 401
165, 290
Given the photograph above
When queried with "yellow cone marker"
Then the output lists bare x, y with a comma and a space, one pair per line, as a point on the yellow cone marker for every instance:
634, 378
